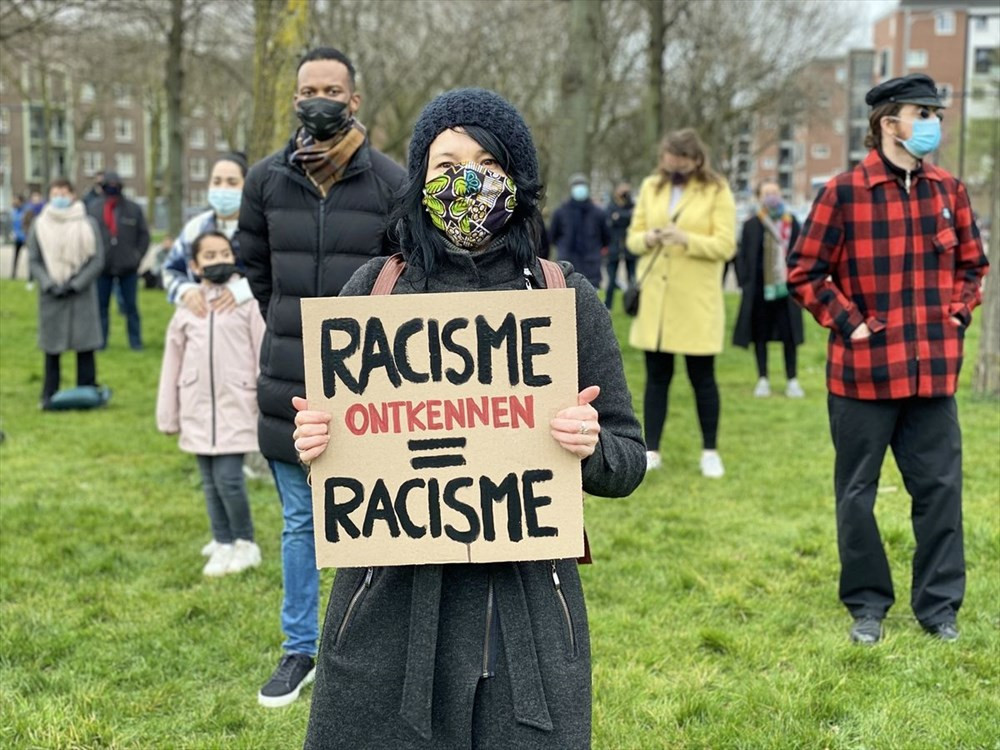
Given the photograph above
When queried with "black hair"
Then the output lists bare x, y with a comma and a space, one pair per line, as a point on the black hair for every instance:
196, 245
329, 53
238, 158
525, 232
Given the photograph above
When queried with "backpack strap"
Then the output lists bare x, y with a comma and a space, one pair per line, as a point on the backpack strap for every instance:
389, 275
554, 277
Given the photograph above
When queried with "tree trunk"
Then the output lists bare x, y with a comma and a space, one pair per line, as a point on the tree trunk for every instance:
43, 93
986, 377
154, 179
174, 84
654, 79
262, 118
576, 90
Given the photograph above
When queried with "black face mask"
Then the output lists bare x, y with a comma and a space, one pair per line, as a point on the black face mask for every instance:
219, 273
323, 118
111, 189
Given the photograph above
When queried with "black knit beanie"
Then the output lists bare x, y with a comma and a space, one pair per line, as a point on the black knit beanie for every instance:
474, 106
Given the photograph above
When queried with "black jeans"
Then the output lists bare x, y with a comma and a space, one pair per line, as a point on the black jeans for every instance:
791, 358
612, 268
701, 373
86, 372
926, 441
226, 497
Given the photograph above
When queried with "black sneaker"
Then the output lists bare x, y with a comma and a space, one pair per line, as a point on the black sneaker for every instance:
943, 631
866, 630
294, 671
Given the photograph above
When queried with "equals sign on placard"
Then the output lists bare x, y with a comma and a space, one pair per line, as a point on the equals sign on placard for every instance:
439, 460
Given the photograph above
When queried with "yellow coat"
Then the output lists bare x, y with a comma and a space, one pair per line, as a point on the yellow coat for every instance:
681, 308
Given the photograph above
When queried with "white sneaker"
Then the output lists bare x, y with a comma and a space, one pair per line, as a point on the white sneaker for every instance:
209, 548
245, 555
653, 460
711, 465
794, 390
218, 563
763, 389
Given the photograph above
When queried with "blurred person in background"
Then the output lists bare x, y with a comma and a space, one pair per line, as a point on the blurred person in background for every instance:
66, 257
17, 210
225, 191
619, 213
126, 239
890, 260
579, 231
683, 231
767, 312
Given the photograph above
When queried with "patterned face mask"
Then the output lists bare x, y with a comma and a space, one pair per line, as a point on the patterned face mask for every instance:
470, 203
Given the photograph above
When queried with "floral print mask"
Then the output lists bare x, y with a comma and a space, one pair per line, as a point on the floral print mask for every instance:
470, 203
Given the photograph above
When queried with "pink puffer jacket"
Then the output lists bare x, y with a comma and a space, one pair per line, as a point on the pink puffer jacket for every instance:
208, 382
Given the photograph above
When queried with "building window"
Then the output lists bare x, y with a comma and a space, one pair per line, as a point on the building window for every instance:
4, 120
123, 95
981, 23
819, 151
885, 63
5, 158
199, 197
785, 181
199, 168
197, 138
123, 130
125, 165
944, 91
916, 58
198, 110
944, 23
841, 74
88, 93
94, 131
93, 162
986, 59
221, 144
767, 162
838, 125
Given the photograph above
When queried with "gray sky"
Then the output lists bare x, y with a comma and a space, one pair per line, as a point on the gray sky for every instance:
866, 12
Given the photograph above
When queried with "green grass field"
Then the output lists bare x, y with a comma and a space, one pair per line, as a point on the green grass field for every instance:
713, 606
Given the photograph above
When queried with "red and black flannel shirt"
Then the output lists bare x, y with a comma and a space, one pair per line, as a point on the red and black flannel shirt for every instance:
905, 264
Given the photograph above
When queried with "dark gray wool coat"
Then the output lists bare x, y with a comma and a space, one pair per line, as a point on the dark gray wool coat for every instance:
71, 323
405, 649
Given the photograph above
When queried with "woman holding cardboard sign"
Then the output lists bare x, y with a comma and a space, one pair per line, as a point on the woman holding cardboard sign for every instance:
465, 655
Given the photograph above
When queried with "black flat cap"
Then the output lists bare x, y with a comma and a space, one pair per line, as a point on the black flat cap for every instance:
915, 88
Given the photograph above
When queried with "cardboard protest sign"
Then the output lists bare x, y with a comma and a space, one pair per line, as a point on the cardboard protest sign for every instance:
440, 449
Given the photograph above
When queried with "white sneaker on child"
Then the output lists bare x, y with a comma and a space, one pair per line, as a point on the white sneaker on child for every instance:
711, 465
218, 563
245, 555
794, 390
653, 460
209, 548
763, 389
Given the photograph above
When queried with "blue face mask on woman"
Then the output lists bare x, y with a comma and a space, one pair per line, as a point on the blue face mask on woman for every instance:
62, 202
926, 137
224, 201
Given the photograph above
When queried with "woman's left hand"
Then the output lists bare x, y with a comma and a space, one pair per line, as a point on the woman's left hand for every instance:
674, 235
577, 428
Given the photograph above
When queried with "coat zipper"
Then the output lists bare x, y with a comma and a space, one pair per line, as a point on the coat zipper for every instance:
488, 670
366, 584
211, 366
565, 608
319, 250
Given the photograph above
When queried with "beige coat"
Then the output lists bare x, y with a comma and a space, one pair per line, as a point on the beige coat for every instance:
681, 308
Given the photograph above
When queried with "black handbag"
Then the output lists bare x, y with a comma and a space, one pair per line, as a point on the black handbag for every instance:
630, 299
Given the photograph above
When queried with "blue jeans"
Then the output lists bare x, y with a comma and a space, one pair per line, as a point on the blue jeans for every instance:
128, 286
300, 606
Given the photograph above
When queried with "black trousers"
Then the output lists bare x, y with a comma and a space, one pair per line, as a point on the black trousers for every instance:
86, 372
927, 443
701, 373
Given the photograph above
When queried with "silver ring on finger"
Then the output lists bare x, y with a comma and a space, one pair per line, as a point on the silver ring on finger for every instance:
584, 430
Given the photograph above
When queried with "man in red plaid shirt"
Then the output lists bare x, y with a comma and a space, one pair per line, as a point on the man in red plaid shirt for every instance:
890, 260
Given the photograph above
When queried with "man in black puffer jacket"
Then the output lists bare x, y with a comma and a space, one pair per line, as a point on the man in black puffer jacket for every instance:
311, 215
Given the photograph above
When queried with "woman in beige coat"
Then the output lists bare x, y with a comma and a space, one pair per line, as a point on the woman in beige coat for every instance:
683, 229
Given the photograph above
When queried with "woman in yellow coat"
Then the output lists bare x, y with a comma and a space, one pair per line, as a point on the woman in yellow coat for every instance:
683, 229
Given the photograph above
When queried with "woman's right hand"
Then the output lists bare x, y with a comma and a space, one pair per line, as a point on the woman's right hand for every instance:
312, 431
194, 301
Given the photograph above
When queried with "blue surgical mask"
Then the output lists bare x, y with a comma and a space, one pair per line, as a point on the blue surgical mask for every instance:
925, 139
579, 192
225, 201
62, 202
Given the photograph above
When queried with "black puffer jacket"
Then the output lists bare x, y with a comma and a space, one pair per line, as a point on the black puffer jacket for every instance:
295, 244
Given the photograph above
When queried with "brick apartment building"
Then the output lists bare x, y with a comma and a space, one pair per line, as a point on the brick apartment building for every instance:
93, 127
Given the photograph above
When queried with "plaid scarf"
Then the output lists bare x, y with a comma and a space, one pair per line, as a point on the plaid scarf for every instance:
325, 166
776, 239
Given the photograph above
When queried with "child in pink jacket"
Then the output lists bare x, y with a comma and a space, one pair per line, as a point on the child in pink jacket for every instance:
208, 394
